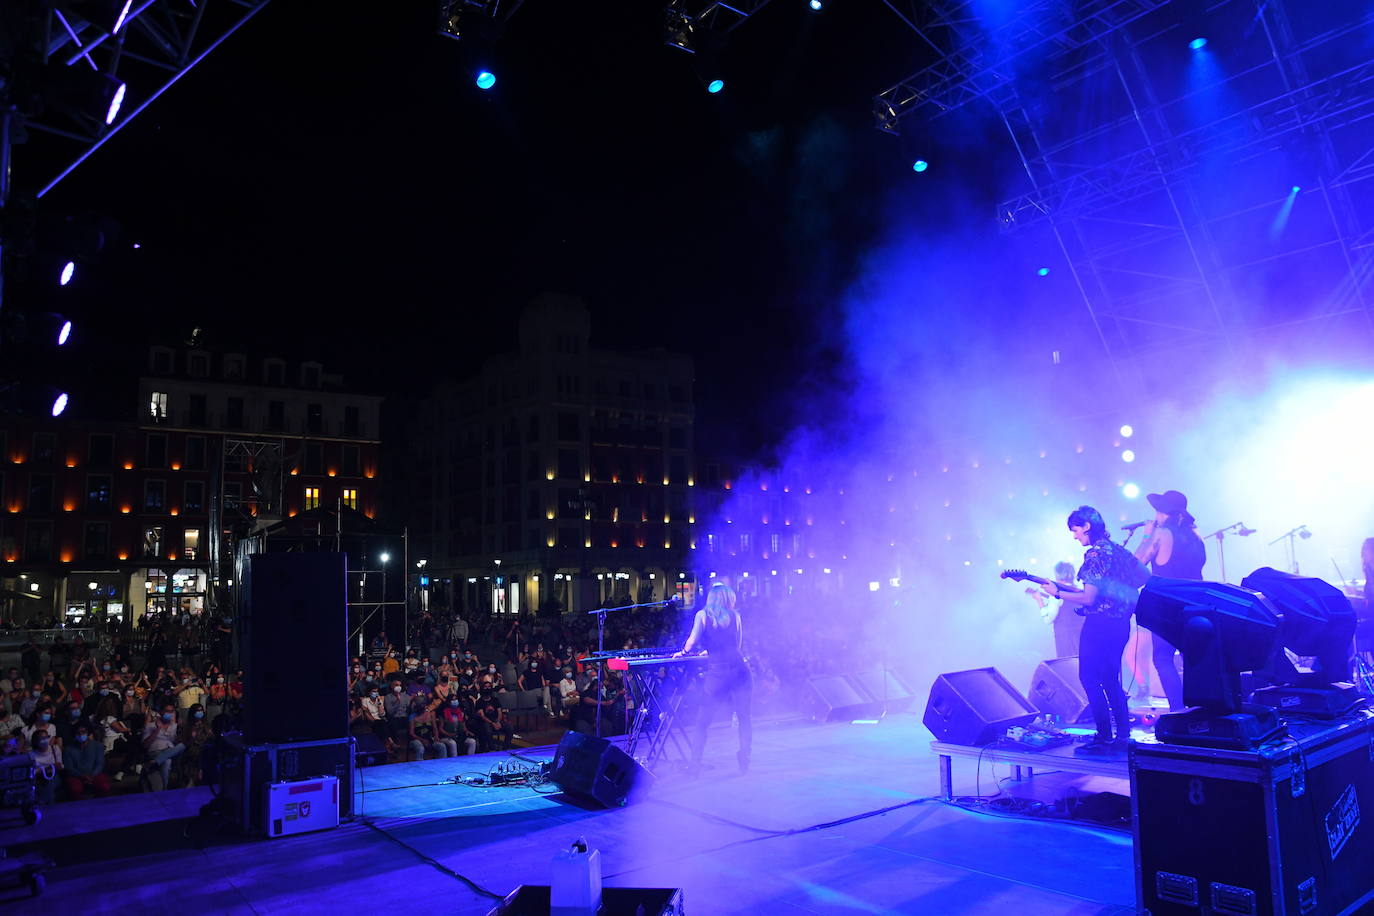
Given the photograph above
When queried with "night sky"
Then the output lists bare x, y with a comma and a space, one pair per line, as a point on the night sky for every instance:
335, 186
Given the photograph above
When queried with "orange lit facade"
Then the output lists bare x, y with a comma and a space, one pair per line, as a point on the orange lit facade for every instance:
114, 518
572, 466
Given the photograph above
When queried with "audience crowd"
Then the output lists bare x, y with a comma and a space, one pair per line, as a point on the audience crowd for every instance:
93, 717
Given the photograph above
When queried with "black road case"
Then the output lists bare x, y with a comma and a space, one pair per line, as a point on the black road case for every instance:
1275, 831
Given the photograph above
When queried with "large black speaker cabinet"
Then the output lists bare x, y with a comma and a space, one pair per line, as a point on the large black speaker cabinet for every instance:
886, 688
594, 768
839, 698
975, 707
1056, 691
295, 648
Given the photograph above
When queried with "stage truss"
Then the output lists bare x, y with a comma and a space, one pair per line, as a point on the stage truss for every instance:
1161, 259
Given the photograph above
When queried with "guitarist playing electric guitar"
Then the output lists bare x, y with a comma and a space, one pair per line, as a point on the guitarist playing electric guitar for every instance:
1066, 626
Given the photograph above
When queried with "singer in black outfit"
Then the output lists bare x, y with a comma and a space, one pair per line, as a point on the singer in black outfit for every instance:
718, 629
1107, 601
1173, 549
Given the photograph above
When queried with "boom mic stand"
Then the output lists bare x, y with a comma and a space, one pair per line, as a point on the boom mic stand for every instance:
1291, 536
601, 613
1240, 529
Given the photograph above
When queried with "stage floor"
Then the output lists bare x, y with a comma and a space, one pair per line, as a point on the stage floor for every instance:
705, 836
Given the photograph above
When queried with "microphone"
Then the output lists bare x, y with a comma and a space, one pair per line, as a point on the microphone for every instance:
1134, 526
1245, 532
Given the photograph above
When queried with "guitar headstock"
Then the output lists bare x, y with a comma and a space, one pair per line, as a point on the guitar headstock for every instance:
1020, 575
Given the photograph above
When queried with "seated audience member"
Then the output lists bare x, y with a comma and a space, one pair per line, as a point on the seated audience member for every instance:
199, 735
453, 728
65, 726
190, 693
47, 758
374, 713
424, 732
397, 706
42, 719
83, 765
53, 689
567, 691
28, 705
160, 741
391, 664
498, 724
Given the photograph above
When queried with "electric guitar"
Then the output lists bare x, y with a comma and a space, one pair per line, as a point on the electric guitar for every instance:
1048, 612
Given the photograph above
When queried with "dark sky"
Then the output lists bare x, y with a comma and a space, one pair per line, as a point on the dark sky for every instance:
331, 183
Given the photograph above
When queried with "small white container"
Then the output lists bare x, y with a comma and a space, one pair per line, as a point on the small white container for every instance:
575, 887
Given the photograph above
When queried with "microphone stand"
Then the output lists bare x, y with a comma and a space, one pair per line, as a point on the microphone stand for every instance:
601, 613
1220, 535
1291, 536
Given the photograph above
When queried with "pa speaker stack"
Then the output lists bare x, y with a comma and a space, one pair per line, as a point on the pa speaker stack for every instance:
975, 707
295, 648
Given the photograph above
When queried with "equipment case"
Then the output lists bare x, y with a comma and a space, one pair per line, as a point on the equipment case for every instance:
1274, 831
249, 769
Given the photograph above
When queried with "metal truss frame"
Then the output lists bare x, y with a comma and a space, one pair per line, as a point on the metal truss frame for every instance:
983, 65
160, 42
713, 15
1106, 216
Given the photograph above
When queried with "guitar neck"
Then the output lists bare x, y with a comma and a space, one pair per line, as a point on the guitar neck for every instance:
1027, 577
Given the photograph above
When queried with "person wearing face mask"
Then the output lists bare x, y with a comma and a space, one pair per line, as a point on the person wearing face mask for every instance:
160, 740
391, 664
567, 692
216, 697
423, 731
54, 689
188, 693
83, 765
43, 716
66, 722
453, 728
374, 712
47, 760
198, 737
29, 704
397, 706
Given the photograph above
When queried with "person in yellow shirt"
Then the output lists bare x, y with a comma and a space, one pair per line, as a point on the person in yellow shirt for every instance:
390, 664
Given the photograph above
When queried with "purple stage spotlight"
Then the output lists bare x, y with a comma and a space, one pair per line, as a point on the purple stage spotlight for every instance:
115, 101
59, 404
64, 333
68, 271
123, 15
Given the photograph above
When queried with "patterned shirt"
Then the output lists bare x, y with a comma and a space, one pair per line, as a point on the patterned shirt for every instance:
1110, 567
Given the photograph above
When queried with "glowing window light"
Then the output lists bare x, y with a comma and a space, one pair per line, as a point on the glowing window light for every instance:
1127, 431
920, 165
486, 79
715, 86
1130, 491
1128, 456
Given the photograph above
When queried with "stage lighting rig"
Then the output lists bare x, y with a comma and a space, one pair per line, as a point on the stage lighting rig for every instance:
459, 18
702, 25
1222, 630
1318, 622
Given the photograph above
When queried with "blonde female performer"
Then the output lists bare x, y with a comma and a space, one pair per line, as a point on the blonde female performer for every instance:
719, 630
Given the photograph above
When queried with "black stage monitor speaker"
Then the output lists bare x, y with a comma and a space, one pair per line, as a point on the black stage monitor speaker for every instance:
885, 688
974, 707
838, 698
1055, 690
295, 648
594, 768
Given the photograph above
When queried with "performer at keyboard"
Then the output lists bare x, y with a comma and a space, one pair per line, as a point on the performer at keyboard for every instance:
1107, 601
718, 629
1173, 549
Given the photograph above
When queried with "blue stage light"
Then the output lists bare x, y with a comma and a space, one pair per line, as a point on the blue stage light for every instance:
1130, 491
1296, 189
68, 270
715, 86
1197, 44
1044, 271
486, 79
1128, 456
1127, 431
64, 333
816, 5
920, 165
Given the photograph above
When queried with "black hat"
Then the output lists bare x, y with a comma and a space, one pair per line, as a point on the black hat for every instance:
1170, 502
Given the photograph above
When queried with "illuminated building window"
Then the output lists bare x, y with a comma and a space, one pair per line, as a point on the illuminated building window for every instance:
312, 498
157, 406
350, 498
191, 545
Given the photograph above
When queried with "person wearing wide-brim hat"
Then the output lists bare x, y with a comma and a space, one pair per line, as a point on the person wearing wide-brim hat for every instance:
1173, 549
